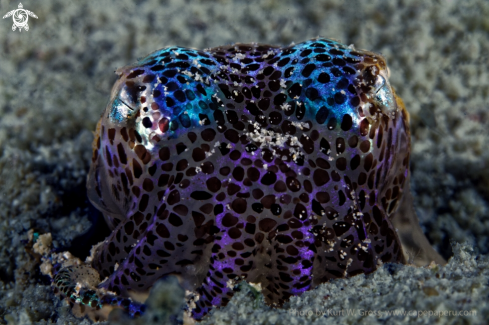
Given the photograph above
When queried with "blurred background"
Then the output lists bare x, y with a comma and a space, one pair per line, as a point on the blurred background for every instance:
55, 81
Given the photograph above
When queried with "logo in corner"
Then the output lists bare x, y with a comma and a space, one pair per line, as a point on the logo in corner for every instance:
20, 17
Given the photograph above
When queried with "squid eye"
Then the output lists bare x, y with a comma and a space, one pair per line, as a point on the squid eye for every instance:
125, 103
120, 111
383, 95
379, 83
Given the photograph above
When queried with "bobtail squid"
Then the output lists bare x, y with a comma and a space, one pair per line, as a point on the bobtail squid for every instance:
281, 166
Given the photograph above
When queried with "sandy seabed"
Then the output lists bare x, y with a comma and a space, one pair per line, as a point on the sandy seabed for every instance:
55, 80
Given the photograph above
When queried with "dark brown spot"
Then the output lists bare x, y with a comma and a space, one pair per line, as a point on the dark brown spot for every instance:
213, 184
198, 154
164, 153
148, 185
138, 170
229, 220
239, 205
175, 220
269, 178
208, 134
267, 224
320, 177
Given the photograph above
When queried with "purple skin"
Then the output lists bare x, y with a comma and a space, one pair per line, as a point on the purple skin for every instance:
280, 166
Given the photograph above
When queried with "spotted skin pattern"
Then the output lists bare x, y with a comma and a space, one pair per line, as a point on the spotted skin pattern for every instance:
279, 166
